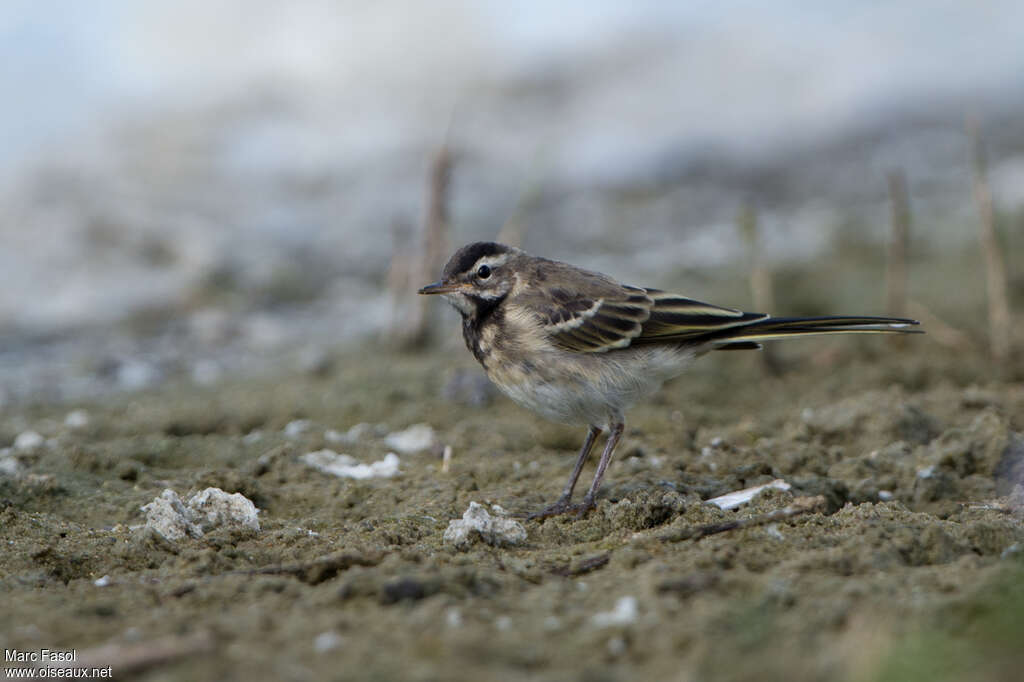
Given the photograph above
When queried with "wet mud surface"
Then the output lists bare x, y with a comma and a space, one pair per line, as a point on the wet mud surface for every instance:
910, 567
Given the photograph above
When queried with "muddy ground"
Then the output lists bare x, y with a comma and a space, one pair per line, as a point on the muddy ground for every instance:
912, 567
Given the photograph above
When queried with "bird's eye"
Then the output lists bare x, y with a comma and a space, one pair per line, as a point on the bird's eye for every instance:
483, 272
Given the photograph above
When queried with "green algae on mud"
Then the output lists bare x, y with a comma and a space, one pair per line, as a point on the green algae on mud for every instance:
350, 579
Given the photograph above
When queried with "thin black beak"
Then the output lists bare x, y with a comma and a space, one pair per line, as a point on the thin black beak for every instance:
440, 288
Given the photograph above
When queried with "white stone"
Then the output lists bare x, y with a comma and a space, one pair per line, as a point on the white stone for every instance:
9, 466
205, 510
296, 428
213, 507
102, 582
326, 641
416, 438
741, 497
28, 440
624, 613
76, 419
346, 466
169, 517
477, 524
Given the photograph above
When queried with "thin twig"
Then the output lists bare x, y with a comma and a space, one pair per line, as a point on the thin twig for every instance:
995, 269
801, 505
416, 328
938, 329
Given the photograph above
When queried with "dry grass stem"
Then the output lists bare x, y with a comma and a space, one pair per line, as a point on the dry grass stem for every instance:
995, 268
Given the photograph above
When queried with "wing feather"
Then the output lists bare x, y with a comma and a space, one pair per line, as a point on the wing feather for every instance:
617, 316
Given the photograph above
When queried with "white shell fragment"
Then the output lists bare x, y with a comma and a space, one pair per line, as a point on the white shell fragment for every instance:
624, 613
477, 524
416, 438
346, 466
741, 497
205, 510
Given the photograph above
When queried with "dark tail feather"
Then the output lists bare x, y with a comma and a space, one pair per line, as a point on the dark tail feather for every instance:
747, 336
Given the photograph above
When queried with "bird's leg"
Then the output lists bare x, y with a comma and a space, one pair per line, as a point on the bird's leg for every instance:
562, 505
606, 458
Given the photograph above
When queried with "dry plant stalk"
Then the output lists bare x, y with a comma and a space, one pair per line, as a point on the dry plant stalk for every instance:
938, 329
995, 268
415, 328
896, 272
761, 288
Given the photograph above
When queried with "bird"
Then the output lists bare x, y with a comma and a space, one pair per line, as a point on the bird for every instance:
578, 347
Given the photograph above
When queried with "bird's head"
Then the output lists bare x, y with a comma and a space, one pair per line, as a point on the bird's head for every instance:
477, 277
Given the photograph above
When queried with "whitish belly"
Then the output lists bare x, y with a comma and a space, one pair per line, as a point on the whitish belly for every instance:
590, 389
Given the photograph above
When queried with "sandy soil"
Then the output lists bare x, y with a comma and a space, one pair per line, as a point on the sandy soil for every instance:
911, 568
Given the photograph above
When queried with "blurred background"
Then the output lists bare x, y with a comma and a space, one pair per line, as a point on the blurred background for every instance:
195, 188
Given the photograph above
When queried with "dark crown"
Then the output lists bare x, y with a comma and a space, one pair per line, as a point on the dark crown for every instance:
466, 257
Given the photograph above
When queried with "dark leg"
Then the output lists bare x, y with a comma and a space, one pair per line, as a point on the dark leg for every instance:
606, 458
562, 505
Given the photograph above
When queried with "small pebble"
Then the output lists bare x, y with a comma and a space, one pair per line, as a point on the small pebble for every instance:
207, 509
76, 419
28, 440
296, 428
624, 613
477, 524
9, 466
326, 641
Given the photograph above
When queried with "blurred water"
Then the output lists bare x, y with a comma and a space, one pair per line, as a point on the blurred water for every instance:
151, 152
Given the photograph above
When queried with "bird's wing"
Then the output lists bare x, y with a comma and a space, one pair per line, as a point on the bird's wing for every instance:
677, 318
616, 316
595, 321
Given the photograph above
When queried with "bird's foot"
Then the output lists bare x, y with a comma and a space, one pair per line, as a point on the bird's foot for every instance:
563, 506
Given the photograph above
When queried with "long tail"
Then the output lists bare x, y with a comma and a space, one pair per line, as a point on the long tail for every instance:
771, 328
